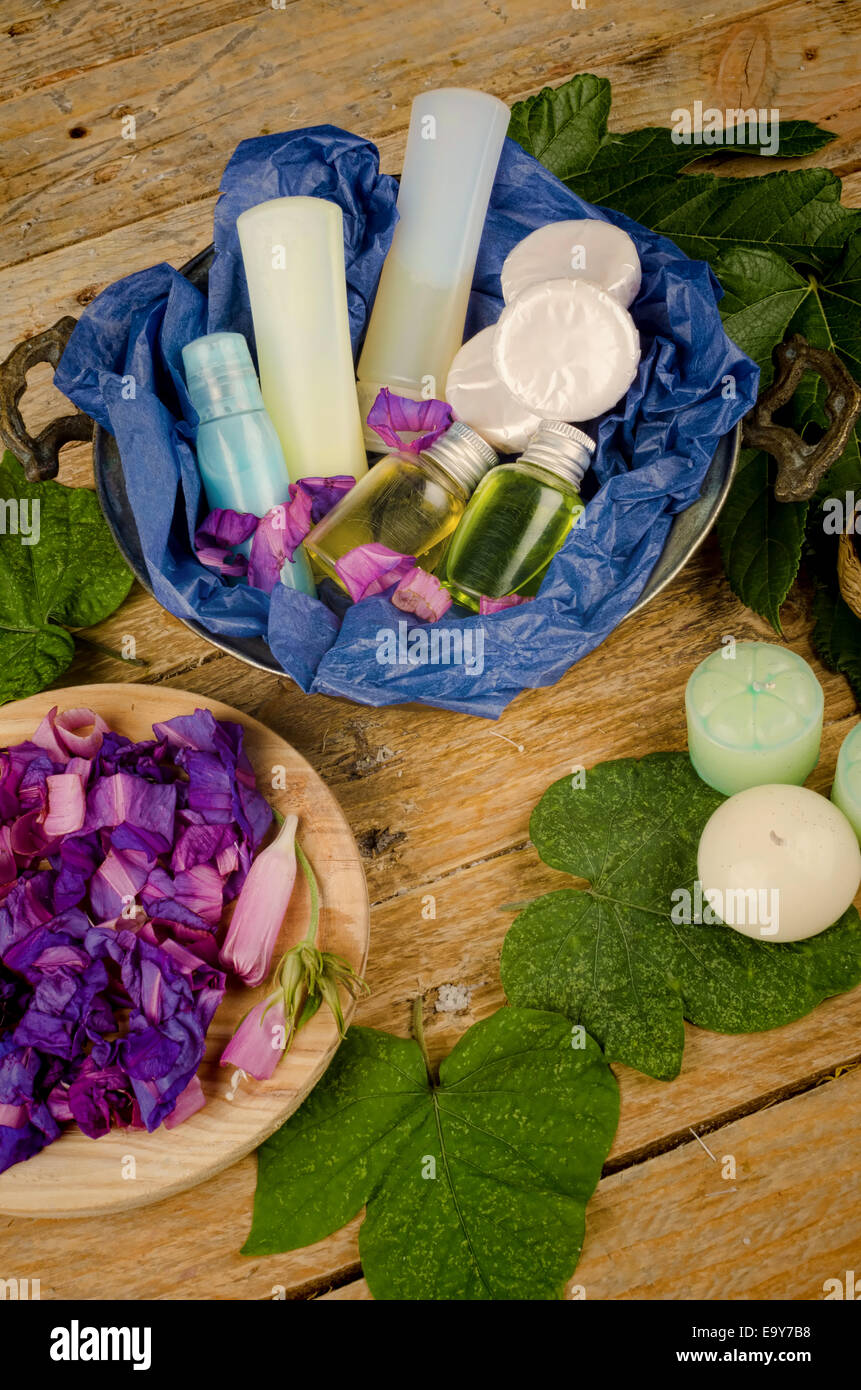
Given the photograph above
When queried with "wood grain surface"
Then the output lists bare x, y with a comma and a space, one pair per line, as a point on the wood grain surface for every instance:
439, 803
76, 1176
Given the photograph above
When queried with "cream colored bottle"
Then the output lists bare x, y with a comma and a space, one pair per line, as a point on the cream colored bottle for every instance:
293, 252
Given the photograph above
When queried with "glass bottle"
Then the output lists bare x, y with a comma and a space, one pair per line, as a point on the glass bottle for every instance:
410, 503
518, 518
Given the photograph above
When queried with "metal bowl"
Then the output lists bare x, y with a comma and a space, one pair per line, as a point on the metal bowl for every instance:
688, 531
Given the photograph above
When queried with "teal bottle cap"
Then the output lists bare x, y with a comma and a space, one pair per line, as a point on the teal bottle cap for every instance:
220, 376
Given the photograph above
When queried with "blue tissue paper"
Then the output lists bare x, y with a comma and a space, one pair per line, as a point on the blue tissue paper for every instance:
123, 366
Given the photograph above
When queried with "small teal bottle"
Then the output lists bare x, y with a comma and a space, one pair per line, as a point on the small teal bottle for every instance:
239, 454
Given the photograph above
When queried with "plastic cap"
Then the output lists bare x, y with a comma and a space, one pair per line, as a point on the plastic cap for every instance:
220, 376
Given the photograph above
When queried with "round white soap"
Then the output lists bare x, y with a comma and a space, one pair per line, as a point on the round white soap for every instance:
782, 857
477, 396
566, 349
583, 249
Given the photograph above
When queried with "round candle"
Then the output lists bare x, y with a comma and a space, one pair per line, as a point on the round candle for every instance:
846, 792
754, 715
779, 862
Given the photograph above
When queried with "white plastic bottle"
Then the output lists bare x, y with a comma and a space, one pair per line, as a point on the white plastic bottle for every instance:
293, 252
416, 327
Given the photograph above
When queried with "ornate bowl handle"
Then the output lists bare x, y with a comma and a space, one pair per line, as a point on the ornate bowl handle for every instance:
39, 455
801, 466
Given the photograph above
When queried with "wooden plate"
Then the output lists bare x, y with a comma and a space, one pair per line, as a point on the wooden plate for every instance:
77, 1176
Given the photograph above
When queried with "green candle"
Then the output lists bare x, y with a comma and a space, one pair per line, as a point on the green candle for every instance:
846, 792
754, 713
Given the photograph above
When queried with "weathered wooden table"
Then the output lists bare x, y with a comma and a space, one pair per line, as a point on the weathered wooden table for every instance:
439, 802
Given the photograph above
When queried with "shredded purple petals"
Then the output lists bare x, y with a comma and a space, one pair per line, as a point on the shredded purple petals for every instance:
117, 860
274, 537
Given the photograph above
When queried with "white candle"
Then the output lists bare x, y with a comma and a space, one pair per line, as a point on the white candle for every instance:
779, 862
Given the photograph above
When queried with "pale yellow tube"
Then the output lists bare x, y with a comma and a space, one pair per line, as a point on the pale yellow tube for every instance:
293, 252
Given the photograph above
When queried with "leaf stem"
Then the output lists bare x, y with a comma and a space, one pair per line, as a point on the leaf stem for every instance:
110, 651
311, 934
419, 1035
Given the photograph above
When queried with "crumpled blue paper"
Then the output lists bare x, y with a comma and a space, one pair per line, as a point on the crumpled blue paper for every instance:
123, 366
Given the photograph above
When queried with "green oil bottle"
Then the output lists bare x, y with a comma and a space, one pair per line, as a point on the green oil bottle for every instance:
518, 517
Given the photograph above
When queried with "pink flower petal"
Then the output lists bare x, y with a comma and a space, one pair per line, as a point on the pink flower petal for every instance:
261, 908
496, 605
81, 745
369, 569
421, 593
284, 528
67, 804
188, 1102
257, 1045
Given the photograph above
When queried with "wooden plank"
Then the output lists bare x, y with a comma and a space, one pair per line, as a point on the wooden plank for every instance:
188, 1246
195, 98
674, 1228
421, 787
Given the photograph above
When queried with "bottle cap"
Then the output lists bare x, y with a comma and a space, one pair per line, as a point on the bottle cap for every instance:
463, 454
561, 449
220, 376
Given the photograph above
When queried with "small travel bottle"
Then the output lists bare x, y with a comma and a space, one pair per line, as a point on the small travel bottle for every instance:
518, 517
239, 457
455, 139
293, 254
409, 503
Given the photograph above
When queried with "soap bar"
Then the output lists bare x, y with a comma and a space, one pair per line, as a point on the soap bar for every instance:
477, 396
778, 862
583, 249
846, 792
566, 349
754, 712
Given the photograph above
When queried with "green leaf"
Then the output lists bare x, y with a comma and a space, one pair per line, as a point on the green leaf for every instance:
475, 1187
610, 955
72, 576
761, 295
795, 213
837, 636
761, 540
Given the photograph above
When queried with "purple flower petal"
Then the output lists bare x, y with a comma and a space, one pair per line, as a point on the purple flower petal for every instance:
396, 417
124, 797
372, 568
117, 882
217, 539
